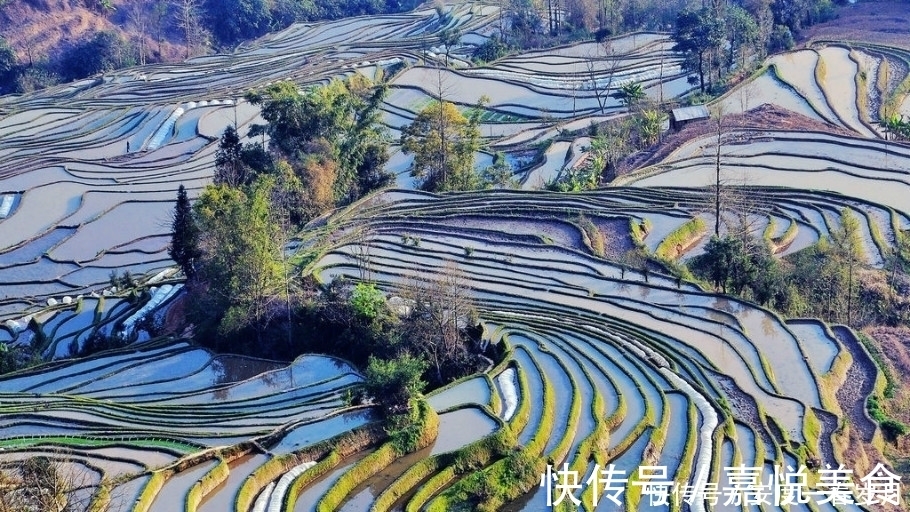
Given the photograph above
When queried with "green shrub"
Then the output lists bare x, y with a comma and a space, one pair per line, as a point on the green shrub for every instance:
492, 49
781, 39
367, 300
891, 428
426, 428
206, 485
681, 239
150, 491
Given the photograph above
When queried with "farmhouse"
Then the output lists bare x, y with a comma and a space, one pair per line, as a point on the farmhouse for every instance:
680, 117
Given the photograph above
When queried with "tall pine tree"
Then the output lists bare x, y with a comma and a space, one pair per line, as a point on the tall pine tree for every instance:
184, 247
229, 168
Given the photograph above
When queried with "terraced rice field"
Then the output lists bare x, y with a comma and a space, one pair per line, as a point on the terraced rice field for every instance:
845, 172
851, 87
602, 361
627, 353
90, 168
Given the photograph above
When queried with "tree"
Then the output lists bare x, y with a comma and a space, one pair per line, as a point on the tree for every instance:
189, 19
500, 174
7, 65
337, 122
103, 52
719, 125
443, 142
138, 13
236, 20
435, 327
847, 248
449, 37
780, 39
743, 34
612, 62
242, 255
285, 12
229, 168
184, 248
698, 33
492, 49
319, 174
581, 14
394, 383
45, 484
159, 19
630, 94
525, 21
722, 255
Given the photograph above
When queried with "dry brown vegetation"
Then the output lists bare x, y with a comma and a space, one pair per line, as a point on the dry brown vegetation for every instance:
37, 30
871, 22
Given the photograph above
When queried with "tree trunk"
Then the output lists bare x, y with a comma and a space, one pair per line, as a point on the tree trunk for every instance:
701, 70
717, 183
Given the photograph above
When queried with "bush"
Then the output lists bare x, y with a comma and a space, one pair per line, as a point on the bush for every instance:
104, 52
395, 383
367, 300
494, 48
891, 428
34, 78
781, 39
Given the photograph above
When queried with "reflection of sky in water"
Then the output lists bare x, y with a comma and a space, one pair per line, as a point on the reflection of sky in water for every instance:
315, 432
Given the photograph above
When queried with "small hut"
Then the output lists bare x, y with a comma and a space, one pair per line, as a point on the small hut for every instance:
680, 117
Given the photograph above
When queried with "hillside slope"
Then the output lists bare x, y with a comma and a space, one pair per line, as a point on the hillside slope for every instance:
39, 29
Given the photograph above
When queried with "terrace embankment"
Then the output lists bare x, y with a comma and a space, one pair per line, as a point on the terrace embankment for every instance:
764, 117
894, 343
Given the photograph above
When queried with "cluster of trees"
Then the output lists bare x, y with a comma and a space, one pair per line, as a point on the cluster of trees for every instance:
529, 19
425, 334
325, 149
245, 299
716, 37
722, 37
828, 280
103, 51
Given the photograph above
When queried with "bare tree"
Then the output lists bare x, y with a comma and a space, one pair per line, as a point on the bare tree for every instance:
137, 12
362, 239
441, 308
189, 20
719, 124
53, 483
601, 92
